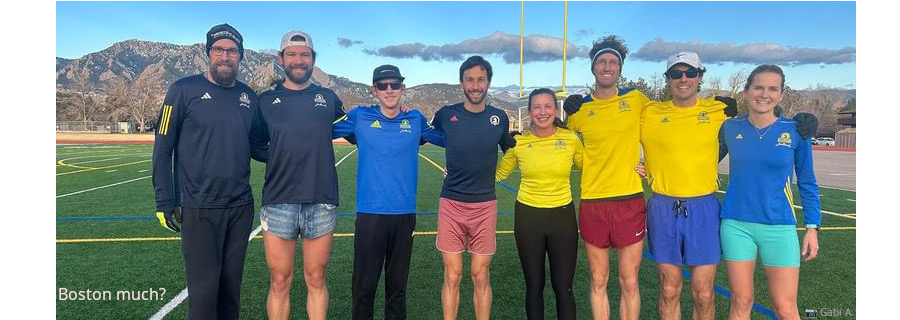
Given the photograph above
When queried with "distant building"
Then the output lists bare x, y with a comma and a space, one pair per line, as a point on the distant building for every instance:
846, 136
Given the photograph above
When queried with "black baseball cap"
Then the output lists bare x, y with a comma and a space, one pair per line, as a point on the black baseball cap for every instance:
386, 72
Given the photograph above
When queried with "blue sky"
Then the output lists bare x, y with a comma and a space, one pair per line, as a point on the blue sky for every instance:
815, 41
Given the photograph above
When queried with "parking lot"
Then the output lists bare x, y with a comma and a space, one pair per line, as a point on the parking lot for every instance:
836, 169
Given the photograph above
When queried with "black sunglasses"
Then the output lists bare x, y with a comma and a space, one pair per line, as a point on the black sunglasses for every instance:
676, 74
384, 86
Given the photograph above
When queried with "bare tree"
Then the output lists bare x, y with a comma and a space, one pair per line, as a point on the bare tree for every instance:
138, 101
84, 100
736, 83
791, 102
735, 88
714, 85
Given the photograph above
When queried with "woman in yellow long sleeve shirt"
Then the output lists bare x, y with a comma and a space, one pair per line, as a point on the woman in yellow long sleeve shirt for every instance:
545, 214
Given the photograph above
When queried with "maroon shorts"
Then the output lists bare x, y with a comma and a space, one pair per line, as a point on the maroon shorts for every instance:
613, 223
467, 226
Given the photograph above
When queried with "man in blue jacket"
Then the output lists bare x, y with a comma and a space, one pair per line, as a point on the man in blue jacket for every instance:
388, 141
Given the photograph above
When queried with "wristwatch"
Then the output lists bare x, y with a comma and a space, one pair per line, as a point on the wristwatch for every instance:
814, 226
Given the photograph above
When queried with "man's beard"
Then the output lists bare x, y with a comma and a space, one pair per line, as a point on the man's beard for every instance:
288, 73
483, 95
225, 79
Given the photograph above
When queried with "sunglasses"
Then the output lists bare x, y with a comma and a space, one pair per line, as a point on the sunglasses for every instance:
676, 74
384, 86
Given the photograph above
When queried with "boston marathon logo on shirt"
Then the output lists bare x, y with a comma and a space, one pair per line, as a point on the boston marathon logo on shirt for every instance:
320, 101
560, 144
404, 126
623, 106
784, 140
495, 120
245, 100
702, 118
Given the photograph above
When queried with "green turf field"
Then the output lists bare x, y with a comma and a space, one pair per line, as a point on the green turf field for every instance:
104, 192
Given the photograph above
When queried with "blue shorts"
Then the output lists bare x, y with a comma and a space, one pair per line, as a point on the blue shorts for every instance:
684, 231
292, 220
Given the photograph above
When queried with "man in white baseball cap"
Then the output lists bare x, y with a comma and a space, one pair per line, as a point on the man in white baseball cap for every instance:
292, 134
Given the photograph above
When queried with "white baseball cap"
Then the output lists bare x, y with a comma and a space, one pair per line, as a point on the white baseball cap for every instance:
687, 57
296, 38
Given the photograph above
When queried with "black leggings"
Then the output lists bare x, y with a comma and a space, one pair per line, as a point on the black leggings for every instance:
549, 232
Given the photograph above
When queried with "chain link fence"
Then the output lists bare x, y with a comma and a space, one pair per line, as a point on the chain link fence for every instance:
99, 126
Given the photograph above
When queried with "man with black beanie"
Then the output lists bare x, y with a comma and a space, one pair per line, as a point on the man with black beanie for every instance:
201, 173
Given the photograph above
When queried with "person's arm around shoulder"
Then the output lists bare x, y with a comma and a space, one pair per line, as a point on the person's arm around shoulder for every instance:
571, 106
506, 140
731, 109
346, 124
644, 100
259, 135
429, 133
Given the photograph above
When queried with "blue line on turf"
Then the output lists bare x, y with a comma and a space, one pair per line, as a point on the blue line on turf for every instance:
152, 217
687, 274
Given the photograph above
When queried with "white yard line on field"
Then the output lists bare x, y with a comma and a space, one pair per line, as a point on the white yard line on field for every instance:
100, 187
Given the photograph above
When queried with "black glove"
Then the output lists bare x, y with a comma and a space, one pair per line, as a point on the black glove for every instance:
807, 125
731, 105
778, 111
511, 140
168, 218
573, 103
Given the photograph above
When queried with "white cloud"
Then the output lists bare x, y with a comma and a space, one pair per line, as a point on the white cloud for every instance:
754, 53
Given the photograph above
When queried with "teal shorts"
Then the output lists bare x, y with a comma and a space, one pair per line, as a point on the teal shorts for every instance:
778, 245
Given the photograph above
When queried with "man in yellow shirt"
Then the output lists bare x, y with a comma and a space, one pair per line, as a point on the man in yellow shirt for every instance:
681, 148
612, 210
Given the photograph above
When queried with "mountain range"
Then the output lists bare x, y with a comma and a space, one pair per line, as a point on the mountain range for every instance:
163, 63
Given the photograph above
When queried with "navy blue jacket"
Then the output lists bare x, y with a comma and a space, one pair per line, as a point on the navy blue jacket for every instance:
201, 156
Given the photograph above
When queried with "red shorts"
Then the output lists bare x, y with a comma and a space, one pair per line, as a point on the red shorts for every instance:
616, 223
464, 225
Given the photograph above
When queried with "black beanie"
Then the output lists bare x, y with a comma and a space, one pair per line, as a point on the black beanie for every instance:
224, 31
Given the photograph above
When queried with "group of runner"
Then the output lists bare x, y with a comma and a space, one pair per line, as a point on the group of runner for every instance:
211, 125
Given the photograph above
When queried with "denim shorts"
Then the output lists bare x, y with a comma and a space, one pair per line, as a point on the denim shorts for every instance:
294, 220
